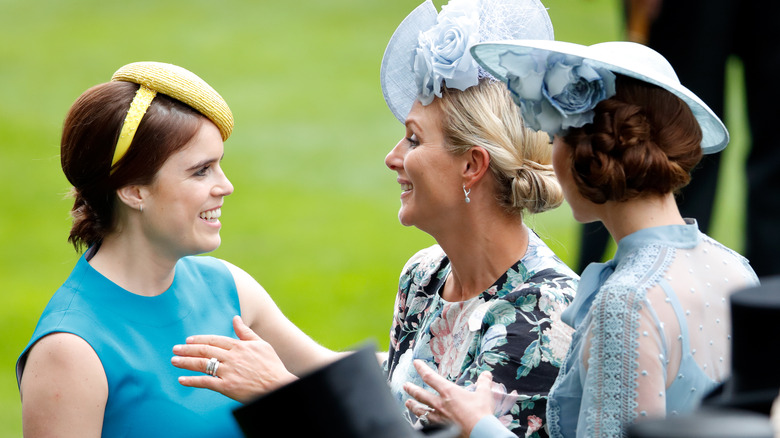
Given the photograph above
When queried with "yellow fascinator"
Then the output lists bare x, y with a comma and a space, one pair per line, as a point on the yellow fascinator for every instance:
173, 81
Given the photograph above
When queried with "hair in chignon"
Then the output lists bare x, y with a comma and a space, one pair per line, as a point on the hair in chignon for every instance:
643, 141
89, 136
485, 115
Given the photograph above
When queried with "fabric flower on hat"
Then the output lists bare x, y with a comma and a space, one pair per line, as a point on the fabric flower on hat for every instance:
443, 51
556, 92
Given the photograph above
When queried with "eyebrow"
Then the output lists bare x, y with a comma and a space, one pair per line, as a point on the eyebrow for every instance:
410, 122
202, 163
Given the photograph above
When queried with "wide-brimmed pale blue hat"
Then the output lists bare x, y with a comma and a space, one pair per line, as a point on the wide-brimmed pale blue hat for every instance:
621, 57
429, 48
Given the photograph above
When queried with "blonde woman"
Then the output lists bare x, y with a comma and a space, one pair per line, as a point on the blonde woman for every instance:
489, 295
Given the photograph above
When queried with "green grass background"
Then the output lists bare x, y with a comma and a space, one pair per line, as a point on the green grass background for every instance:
313, 217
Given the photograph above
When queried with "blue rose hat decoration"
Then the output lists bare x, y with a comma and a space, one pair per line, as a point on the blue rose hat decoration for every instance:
431, 49
557, 84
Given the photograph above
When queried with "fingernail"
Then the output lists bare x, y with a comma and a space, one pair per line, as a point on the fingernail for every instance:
176, 348
175, 360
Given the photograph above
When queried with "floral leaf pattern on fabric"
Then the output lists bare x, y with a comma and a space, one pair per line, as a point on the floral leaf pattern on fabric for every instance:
513, 329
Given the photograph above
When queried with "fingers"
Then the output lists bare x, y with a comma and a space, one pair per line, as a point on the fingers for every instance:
243, 331
193, 364
223, 342
485, 382
421, 395
435, 381
424, 412
199, 350
206, 382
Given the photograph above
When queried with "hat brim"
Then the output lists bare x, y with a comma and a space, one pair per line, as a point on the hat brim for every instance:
396, 73
622, 57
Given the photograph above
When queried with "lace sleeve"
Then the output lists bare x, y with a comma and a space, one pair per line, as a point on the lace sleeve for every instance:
626, 363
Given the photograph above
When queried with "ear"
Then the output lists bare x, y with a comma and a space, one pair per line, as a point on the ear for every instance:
133, 196
476, 164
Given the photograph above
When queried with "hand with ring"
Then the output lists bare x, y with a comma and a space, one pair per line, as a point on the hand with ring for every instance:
244, 368
212, 366
454, 403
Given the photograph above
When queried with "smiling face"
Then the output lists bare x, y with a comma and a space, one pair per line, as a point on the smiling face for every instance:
427, 172
183, 204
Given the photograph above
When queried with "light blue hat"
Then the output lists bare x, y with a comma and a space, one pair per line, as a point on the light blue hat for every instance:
429, 49
514, 62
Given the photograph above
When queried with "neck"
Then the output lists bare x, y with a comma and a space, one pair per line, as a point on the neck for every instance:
133, 264
624, 218
480, 250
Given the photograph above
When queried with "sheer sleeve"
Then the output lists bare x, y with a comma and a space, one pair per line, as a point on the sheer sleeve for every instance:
626, 363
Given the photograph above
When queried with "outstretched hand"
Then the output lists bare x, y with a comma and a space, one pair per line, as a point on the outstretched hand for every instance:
248, 366
454, 403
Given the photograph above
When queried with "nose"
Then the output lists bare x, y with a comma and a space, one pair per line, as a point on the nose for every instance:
223, 187
395, 158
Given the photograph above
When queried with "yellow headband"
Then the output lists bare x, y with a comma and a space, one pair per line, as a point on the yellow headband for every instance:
175, 82
141, 101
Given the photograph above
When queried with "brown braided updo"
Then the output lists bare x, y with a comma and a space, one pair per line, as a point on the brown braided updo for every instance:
643, 141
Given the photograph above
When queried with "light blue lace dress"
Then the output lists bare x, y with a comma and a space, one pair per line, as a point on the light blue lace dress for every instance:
652, 332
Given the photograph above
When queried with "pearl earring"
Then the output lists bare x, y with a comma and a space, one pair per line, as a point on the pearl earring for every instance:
466, 192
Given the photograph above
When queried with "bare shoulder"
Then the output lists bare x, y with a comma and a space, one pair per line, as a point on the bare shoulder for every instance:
254, 300
243, 280
63, 388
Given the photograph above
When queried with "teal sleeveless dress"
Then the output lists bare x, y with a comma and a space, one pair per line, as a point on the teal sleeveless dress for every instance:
134, 336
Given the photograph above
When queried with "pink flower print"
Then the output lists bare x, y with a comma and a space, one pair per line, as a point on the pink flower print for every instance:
450, 339
534, 424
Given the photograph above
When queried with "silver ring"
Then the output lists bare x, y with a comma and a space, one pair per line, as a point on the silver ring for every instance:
211, 367
424, 417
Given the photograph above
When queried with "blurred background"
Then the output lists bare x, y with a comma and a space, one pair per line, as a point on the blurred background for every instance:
313, 216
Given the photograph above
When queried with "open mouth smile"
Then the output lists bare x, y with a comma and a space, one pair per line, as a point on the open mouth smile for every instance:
211, 215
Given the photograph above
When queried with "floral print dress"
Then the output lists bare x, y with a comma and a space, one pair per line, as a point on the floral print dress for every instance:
513, 329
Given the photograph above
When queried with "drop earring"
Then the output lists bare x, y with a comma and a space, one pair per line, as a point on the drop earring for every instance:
466, 192
141, 208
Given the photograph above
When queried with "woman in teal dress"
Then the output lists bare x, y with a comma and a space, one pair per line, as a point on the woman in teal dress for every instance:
143, 154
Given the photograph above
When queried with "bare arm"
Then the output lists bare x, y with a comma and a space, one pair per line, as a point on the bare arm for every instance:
270, 352
297, 350
64, 389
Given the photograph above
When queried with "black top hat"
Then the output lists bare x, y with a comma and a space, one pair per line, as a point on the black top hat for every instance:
705, 423
754, 383
348, 398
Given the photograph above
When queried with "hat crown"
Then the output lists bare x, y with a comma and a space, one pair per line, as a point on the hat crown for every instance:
418, 59
620, 57
637, 57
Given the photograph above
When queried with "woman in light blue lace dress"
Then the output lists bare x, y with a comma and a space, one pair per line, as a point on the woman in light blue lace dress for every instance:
652, 325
